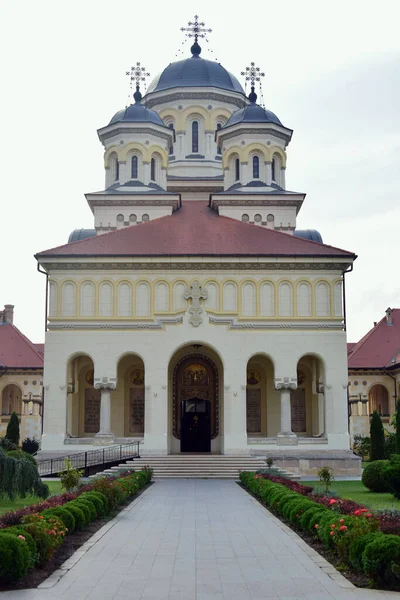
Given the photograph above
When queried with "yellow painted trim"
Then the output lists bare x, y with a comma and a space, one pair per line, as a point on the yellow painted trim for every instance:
230, 312
310, 284
276, 150
240, 298
274, 287
154, 150
131, 148
170, 113
117, 284
99, 283
58, 298
173, 284
323, 280
154, 285
136, 284
219, 296
80, 284
226, 156
62, 293
257, 147
279, 283
107, 155
218, 114
191, 113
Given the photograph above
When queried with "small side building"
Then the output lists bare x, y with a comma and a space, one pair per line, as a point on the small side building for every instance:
21, 377
374, 373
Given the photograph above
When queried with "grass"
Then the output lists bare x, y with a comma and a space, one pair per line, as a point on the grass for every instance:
6, 505
355, 490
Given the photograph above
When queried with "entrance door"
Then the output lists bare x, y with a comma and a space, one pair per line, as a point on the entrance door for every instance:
195, 425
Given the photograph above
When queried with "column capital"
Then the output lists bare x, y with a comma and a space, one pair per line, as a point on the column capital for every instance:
285, 383
105, 383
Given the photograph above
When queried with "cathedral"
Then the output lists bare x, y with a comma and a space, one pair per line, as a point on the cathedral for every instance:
194, 316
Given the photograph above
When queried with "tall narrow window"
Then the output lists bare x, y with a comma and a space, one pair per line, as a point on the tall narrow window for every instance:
116, 169
237, 169
153, 169
195, 136
219, 147
273, 169
256, 167
134, 167
171, 148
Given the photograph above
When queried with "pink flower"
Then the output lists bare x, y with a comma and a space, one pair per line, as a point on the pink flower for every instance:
333, 526
343, 528
316, 526
357, 512
332, 533
21, 537
368, 515
333, 501
341, 520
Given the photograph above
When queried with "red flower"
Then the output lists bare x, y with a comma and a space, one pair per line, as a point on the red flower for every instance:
333, 526
343, 528
357, 512
341, 520
333, 501
332, 533
316, 526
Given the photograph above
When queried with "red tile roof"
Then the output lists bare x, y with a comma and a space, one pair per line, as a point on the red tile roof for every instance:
196, 230
380, 347
16, 351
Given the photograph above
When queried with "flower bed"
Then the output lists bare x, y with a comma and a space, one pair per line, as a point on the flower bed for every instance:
29, 537
354, 533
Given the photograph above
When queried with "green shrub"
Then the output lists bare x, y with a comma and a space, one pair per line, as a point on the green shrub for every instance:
12, 432
298, 509
390, 444
377, 437
19, 531
374, 477
20, 477
308, 514
84, 508
90, 506
391, 475
21, 455
381, 559
106, 486
48, 533
14, 558
70, 477
64, 514
98, 504
103, 499
362, 445
317, 519
326, 478
358, 546
287, 504
30, 445
78, 514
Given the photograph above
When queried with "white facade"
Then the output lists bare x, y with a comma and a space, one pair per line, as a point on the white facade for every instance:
262, 340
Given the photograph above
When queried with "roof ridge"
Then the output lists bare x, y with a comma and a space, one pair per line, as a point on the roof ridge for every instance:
362, 341
27, 341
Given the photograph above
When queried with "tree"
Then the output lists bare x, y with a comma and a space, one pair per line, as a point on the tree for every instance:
377, 437
397, 426
19, 477
362, 445
13, 429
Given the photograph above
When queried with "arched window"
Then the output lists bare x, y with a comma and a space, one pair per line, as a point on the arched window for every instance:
219, 147
237, 169
256, 167
134, 167
273, 169
153, 169
195, 136
171, 148
116, 169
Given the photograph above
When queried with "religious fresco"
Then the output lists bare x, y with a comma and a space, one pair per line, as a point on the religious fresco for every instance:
253, 377
89, 377
195, 374
137, 377
300, 377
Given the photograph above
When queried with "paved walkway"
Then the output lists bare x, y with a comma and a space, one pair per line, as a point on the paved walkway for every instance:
196, 540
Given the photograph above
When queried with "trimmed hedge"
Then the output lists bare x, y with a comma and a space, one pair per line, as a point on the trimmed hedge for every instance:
77, 513
353, 536
14, 558
373, 476
64, 514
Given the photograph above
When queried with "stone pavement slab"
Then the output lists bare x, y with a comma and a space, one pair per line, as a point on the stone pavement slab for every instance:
196, 540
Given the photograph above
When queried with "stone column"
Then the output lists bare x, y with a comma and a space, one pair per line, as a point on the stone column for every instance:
234, 404
104, 436
286, 437
268, 173
283, 177
321, 407
156, 410
146, 173
124, 174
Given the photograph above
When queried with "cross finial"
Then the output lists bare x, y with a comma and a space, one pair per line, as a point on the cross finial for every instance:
196, 29
252, 74
137, 74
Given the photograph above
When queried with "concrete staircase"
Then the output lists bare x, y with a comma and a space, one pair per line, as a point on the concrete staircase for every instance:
195, 466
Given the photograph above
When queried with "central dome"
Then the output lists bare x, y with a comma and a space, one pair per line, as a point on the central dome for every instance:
195, 72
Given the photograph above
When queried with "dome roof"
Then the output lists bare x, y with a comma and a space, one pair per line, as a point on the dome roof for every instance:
195, 72
253, 113
137, 113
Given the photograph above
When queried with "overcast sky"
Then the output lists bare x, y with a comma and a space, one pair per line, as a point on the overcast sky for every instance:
332, 74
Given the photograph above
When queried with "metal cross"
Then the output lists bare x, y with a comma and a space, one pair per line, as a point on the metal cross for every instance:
196, 293
196, 29
252, 74
138, 74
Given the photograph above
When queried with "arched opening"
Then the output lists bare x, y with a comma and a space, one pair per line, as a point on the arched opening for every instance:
379, 400
83, 400
127, 416
273, 170
195, 136
171, 148
153, 169
256, 167
219, 146
262, 400
11, 400
237, 169
308, 400
195, 399
116, 169
134, 167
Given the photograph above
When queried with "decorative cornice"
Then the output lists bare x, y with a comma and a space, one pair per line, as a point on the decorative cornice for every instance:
147, 130
156, 324
289, 199
189, 266
253, 131
234, 324
117, 202
171, 97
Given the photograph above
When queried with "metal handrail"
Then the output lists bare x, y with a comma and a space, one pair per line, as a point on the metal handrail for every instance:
90, 458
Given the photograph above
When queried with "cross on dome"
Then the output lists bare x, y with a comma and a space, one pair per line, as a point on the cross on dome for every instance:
196, 29
252, 74
137, 74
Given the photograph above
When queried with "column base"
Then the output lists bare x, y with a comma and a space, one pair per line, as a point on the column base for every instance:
103, 439
287, 439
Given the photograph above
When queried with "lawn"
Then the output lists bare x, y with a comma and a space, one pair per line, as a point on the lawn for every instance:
355, 490
6, 505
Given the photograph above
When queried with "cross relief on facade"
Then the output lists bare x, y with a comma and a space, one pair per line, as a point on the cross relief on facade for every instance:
195, 293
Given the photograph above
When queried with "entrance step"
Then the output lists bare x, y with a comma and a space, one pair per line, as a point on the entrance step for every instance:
196, 466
